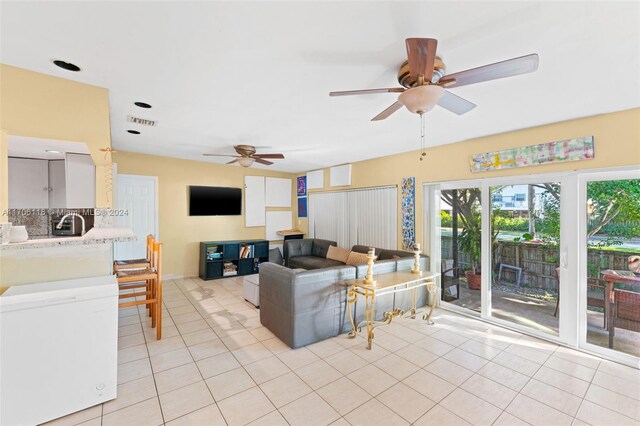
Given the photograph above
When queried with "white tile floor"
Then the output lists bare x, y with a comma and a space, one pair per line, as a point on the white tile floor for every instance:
217, 365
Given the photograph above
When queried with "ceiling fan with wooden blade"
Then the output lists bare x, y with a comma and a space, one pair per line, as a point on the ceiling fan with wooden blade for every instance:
423, 80
247, 156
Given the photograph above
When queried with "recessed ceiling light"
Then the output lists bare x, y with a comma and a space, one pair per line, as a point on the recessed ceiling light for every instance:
142, 104
51, 151
133, 132
66, 65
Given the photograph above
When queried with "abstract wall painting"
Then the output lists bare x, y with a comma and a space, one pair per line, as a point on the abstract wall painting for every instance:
408, 213
534, 155
302, 207
301, 186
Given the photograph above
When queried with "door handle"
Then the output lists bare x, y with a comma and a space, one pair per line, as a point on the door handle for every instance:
563, 259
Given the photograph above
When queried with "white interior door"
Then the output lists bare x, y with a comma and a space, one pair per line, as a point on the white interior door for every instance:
137, 196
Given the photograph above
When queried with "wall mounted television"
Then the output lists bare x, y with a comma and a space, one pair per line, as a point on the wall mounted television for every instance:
214, 201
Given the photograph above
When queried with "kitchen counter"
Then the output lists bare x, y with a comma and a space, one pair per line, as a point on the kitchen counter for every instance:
94, 236
60, 258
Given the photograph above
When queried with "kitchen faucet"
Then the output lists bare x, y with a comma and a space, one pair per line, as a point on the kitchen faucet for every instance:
59, 226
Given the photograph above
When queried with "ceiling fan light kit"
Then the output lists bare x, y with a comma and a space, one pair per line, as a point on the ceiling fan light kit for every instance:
246, 161
247, 156
421, 99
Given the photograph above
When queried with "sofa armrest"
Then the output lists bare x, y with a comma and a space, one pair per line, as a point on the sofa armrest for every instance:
303, 307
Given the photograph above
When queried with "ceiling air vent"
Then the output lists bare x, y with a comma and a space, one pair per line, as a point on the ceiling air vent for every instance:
141, 121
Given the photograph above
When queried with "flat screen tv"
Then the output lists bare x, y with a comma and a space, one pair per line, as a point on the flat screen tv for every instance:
214, 201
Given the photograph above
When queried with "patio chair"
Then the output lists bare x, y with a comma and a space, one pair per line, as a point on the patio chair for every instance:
450, 284
596, 297
624, 313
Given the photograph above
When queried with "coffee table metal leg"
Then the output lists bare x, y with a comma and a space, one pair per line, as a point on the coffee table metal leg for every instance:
352, 296
431, 289
370, 317
414, 302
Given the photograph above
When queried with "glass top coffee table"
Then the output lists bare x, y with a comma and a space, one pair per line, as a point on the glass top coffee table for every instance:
392, 282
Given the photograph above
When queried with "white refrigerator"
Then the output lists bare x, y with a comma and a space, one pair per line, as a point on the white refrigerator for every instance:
58, 348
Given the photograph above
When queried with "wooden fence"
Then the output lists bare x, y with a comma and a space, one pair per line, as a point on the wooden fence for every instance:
538, 262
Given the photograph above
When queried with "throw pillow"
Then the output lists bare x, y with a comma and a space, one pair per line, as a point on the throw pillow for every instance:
356, 258
337, 253
275, 256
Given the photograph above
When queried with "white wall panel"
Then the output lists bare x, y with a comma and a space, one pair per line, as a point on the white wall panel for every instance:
278, 192
315, 179
254, 201
278, 221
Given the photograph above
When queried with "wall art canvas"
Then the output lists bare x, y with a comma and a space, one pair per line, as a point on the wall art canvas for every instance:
302, 186
302, 207
408, 213
534, 155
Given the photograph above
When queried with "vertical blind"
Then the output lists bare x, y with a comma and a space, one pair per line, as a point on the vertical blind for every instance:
362, 216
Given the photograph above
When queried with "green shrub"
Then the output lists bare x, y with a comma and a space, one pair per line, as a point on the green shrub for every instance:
511, 224
445, 219
620, 230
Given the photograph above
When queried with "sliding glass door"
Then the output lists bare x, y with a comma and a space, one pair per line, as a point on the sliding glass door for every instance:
610, 273
525, 254
558, 255
460, 246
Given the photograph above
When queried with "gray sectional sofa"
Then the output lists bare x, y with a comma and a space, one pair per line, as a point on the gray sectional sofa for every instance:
309, 304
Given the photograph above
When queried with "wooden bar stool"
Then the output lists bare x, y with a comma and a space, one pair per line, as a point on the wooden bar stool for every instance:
119, 265
124, 265
149, 279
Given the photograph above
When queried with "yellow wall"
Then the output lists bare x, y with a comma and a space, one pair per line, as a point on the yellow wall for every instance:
617, 144
179, 232
41, 106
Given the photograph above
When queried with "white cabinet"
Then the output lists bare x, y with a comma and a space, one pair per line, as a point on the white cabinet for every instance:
42, 184
80, 181
57, 187
28, 183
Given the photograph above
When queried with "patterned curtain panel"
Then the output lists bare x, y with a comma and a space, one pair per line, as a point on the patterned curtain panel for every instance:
408, 213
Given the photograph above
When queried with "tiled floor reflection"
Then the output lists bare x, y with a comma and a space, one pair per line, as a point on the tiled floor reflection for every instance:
217, 365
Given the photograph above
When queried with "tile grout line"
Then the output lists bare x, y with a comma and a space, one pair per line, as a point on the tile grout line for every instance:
450, 327
241, 366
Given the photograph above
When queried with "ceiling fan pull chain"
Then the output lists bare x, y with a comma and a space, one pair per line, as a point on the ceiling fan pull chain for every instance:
422, 143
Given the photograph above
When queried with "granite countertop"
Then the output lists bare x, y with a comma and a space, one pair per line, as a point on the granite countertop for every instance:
94, 236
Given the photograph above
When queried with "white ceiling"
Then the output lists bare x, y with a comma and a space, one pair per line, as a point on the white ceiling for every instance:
224, 73
24, 147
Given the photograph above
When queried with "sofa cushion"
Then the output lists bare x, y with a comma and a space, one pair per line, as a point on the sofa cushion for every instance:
320, 247
356, 258
275, 256
389, 254
339, 254
313, 262
360, 248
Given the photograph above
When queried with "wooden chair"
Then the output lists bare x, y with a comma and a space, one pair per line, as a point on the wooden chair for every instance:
149, 279
624, 313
